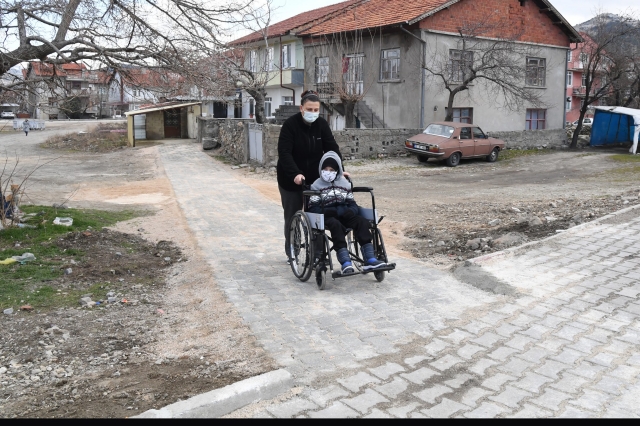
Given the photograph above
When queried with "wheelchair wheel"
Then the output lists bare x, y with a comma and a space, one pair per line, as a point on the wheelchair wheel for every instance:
353, 250
379, 276
301, 246
321, 277
378, 246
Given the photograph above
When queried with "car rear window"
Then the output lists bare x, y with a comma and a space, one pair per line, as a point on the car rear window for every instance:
439, 130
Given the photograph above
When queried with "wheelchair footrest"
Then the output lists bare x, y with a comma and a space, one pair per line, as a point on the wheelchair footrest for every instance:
387, 267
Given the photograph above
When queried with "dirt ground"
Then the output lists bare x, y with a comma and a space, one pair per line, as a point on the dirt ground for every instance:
445, 215
176, 336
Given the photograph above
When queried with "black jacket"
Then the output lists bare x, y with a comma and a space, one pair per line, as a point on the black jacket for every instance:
300, 148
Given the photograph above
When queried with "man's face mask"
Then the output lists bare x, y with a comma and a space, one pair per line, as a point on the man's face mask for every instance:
329, 176
310, 117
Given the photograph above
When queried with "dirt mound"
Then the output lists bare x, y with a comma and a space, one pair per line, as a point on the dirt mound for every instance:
105, 137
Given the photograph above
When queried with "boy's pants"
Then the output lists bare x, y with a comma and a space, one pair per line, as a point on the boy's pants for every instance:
360, 227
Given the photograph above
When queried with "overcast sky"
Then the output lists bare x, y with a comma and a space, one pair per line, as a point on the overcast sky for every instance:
574, 11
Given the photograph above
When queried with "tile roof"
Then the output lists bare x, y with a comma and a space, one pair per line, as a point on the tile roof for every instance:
375, 13
283, 27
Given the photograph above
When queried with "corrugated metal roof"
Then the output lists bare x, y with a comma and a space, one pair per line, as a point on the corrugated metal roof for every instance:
160, 108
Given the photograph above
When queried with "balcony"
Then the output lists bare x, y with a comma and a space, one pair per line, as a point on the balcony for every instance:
290, 77
580, 92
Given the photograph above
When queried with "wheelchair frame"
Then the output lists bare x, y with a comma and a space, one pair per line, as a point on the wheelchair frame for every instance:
307, 235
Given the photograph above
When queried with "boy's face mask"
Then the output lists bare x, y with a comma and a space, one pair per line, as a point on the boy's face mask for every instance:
328, 176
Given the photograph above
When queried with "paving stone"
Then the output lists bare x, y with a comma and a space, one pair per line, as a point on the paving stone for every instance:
591, 400
568, 356
377, 414
337, 410
550, 399
458, 380
445, 363
611, 385
324, 395
412, 361
436, 346
445, 409
473, 395
571, 412
551, 321
355, 382
536, 331
618, 347
487, 410
457, 336
502, 353
417, 415
515, 366
507, 330
625, 372
393, 388
430, 394
534, 355
584, 345
482, 365
511, 397
587, 370
420, 375
522, 320
567, 332
570, 383
532, 382
365, 401
488, 339
384, 371
519, 342
469, 350
292, 407
475, 327
599, 335
496, 381
493, 318
531, 412
611, 324
603, 358
551, 368
403, 411
538, 311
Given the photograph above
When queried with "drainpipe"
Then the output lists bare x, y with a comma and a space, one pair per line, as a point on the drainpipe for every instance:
566, 71
422, 71
281, 85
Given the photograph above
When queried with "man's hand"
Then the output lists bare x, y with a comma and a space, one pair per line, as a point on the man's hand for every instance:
346, 174
298, 179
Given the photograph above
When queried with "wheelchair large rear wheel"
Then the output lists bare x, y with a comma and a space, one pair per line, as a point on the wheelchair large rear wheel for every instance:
301, 246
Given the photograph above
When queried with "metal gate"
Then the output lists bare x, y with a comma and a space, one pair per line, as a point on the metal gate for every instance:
140, 126
255, 142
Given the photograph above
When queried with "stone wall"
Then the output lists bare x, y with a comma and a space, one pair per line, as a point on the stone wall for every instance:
229, 134
556, 138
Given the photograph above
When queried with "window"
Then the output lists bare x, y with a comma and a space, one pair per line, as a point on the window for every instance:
267, 106
478, 134
463, 115
286, 56
465, 133
535, 119
253, 55
251, 107
584, 58
287, 100
460, 63
568, 105
536, 72
390, 64
353, 73
268, 59
569, 79
584, 79
74, 85
569, 55
322, 69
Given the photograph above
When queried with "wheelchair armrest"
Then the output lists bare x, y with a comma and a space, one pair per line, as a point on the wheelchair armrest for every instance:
310, 193
362, 189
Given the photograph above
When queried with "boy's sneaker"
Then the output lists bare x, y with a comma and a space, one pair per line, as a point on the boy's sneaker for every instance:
348, 269
373, 264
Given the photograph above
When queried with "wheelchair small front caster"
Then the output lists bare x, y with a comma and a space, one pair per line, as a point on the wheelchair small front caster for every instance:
379, 276
321, 277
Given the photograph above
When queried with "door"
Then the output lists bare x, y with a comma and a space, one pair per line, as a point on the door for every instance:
255, 142
353, 73
172, 123
466, 142
483, 144
139, 126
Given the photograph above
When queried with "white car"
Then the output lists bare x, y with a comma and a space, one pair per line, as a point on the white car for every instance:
7, 114
586, 122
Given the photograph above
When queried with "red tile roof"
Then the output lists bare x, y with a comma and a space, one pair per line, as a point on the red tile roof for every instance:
283, 27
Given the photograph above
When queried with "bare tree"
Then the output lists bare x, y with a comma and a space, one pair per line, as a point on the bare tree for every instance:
608, 64
345, 67
497, 65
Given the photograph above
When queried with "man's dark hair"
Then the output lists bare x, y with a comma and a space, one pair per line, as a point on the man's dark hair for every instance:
309, 96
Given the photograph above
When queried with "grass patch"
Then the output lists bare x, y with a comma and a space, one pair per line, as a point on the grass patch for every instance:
223, 159
28, 282
625, 158
105, 137
510, 154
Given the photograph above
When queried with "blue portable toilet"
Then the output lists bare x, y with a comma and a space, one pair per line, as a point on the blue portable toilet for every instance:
615, 125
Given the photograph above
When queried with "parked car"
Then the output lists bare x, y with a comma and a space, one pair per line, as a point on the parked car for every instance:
7, 114
450, 142
586, 122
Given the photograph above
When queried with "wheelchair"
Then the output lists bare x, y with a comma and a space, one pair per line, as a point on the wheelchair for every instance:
310, 247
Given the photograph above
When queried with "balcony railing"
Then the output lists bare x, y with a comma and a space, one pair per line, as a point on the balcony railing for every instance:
327, 91
580, 91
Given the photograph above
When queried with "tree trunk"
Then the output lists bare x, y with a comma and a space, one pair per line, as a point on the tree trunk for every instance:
449, 115
576, 132
349, 118
258, 96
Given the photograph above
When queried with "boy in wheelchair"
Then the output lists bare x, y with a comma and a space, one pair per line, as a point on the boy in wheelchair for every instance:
340, 211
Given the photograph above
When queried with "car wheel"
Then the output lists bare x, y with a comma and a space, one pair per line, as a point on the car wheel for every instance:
493, 156
423, 158
453, 160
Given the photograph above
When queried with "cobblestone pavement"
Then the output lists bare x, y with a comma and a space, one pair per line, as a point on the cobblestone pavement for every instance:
422, 344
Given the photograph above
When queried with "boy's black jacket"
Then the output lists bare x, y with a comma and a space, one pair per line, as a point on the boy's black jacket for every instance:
300, 148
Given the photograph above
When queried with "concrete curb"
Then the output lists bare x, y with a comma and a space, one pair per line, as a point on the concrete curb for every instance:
487, 258
219, 402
